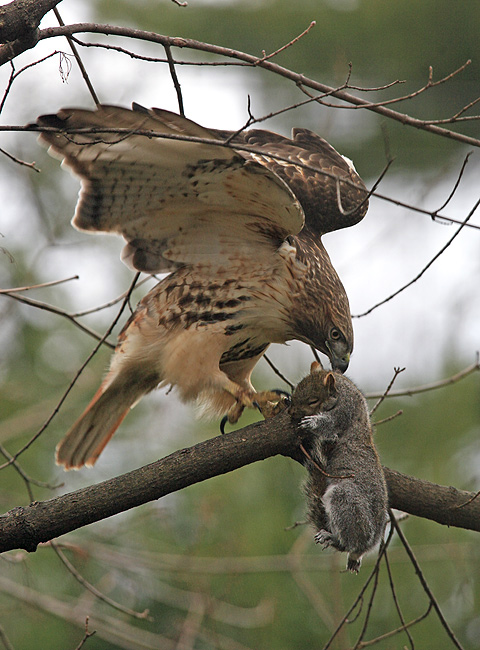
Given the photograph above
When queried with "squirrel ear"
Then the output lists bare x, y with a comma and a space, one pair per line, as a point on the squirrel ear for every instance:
315, 367
329, 382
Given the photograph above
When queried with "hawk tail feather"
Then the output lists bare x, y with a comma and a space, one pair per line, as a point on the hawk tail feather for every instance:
88, 436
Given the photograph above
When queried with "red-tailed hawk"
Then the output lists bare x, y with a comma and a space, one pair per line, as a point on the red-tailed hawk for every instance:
238, 232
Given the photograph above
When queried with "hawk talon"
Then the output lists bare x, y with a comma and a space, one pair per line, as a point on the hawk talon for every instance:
280, 391
223, 422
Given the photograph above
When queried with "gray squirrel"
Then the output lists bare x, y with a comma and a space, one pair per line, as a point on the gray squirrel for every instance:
346, 490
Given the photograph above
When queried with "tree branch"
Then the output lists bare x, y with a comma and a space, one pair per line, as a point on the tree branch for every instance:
19, 19
26, 527
7, 53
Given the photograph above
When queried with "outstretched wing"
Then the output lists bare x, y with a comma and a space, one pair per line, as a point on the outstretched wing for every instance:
174, 201
332, 194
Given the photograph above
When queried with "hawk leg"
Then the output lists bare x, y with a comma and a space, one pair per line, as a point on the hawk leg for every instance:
272, 402
268, 402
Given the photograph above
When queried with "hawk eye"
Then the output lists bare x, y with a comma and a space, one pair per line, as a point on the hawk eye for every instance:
335, 334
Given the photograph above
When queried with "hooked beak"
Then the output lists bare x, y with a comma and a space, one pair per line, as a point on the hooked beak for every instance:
340, 363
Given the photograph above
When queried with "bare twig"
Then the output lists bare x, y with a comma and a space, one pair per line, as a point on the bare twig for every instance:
176, 83
6, 54
5, 640
425, 268
359, 599
20, 162
318, 468
60, 312
93, 590
43, 285
86, 636
277, 371
397, 603
14, 75
74, 380
28, 480
389, 418
423, 582
468, 501
289, 44
455, 186
78, 59
398, 630
396, 372
434, 385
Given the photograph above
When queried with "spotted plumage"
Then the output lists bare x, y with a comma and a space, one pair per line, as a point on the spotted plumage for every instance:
239, 233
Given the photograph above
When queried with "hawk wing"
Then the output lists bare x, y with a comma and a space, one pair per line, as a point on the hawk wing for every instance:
174, 201
331, 193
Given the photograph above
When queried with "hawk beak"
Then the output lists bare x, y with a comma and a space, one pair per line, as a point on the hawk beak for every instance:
340, 363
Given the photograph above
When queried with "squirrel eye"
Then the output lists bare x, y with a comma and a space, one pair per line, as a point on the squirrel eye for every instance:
313, 402
335, 334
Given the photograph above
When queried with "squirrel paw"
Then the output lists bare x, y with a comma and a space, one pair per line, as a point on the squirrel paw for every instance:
311, 422
325, 538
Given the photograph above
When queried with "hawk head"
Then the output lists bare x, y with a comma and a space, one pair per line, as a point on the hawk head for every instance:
331, 335
321, 311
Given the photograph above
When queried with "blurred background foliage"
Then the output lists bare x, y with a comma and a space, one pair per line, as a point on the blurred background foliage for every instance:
217, 565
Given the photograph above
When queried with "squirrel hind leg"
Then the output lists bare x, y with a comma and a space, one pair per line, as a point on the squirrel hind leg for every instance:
354, 561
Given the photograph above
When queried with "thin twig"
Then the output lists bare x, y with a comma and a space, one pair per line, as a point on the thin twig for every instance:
359, 599
74, 380
14, 75
42, 285
389, 418
398, 630
289, 44
7, 54
5, 640
397, 603
93, 590
86, 636
60, 312
277, 372
425, 268
110, 303
366, 621
158, 59
396, 372
27, 479
472, 498
20, 162
456, 185
409, 96
318, 468
434, 385
424, 583
176, 83
78, 59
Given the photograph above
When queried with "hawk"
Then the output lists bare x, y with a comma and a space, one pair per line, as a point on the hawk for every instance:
236, 225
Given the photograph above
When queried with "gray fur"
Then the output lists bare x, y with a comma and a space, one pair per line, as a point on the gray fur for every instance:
347, 499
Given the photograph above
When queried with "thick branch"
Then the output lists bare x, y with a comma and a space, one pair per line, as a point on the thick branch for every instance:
20, 19
26, 527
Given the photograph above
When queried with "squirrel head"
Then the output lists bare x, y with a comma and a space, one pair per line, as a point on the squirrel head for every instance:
315, 393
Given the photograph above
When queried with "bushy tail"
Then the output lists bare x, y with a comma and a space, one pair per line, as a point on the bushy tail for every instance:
86, 439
